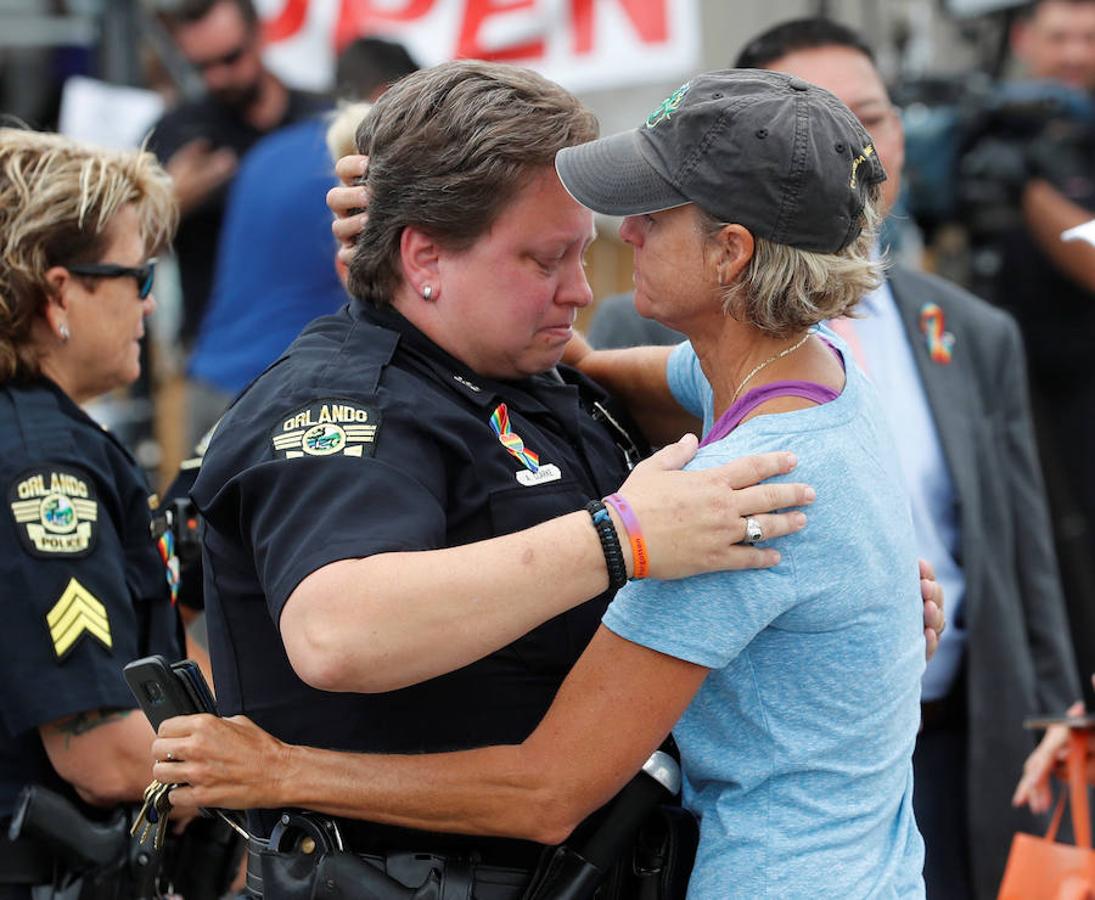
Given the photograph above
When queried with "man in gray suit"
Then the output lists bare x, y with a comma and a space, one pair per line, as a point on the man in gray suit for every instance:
951, 371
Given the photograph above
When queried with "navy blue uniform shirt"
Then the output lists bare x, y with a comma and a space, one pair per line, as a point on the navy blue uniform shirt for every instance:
366, 438
82, 585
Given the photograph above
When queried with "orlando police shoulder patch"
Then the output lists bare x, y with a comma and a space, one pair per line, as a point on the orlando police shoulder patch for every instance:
327, 428
56, 511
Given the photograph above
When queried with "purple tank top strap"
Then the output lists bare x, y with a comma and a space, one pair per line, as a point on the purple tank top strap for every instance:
750, 400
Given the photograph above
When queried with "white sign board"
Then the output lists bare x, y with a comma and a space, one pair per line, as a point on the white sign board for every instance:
1084, 232
109, 115
581, 44
979, 7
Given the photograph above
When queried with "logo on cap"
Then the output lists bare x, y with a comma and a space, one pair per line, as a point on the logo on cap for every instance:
668, 106
867, 153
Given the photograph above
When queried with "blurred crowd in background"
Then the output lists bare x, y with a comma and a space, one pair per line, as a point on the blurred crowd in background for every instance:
996, 101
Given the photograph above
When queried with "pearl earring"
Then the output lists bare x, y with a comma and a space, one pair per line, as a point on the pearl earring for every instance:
64, 332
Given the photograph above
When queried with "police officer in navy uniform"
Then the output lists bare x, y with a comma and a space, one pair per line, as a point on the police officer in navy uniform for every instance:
85, 589
397, 551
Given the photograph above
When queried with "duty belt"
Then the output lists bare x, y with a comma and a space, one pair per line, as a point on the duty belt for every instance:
304, 857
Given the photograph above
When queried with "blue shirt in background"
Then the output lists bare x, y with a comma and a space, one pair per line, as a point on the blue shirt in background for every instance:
276, 259
797, 749
892, 369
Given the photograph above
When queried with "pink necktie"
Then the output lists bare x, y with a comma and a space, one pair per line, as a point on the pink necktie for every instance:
845, 327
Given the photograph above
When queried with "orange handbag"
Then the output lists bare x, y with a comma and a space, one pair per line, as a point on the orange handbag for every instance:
1040, 868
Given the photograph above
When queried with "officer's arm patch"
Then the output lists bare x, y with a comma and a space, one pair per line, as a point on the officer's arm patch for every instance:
76, 613
327, 428
56, 511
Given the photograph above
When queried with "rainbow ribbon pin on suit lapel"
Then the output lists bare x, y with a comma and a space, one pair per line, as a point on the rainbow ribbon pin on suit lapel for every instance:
499, 421
940, 342
166, 546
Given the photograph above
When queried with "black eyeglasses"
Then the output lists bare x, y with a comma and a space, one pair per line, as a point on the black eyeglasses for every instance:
145, 274
228, 59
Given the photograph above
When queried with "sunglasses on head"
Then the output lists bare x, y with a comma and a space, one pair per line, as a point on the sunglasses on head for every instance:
144, 274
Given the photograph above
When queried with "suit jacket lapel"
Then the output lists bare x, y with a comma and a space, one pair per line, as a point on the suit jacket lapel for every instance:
947, 387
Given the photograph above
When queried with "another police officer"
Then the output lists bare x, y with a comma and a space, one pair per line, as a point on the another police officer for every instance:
404, 547
84, 587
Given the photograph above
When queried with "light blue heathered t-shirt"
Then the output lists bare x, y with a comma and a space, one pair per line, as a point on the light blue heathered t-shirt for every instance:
797, 749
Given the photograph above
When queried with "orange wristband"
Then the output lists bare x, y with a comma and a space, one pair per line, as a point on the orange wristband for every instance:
634, 534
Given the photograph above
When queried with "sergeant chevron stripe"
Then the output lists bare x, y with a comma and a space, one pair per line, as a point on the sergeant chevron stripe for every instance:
76, 612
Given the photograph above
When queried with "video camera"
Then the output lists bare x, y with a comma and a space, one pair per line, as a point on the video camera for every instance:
968, 143
972, 145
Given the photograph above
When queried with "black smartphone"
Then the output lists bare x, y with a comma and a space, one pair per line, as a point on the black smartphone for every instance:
164, 690
192, 679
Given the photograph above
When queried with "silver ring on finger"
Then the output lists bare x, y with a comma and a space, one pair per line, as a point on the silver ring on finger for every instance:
754, 534
170, 756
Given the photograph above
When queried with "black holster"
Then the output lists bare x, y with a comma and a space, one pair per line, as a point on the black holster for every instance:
304, 860
564, 874
339, 875
200, 863
656, 866
70, 852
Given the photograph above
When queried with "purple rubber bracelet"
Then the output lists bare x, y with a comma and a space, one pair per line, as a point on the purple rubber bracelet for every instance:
634, 534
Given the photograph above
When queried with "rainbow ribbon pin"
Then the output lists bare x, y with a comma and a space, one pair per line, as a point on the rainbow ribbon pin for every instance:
166, 546
940, 342
499, 421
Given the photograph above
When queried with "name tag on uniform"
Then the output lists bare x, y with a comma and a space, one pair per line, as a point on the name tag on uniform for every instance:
542, 475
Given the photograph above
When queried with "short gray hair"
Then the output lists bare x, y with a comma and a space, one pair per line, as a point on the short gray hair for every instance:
784, 290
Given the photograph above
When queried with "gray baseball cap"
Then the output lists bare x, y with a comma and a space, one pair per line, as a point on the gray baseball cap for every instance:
776, 154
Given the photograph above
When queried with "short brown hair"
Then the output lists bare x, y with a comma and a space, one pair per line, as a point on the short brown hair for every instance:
448, 148
187, 12
57, 201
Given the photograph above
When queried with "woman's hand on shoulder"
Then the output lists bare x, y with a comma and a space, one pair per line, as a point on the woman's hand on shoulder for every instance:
694, 522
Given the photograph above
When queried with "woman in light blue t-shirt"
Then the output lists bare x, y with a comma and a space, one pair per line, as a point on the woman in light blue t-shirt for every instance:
749, 199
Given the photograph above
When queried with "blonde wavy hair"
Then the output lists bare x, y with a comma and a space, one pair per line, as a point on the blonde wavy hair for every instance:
784, 290
341, 137
57, 201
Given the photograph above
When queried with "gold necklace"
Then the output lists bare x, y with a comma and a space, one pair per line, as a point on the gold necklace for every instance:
787, 351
